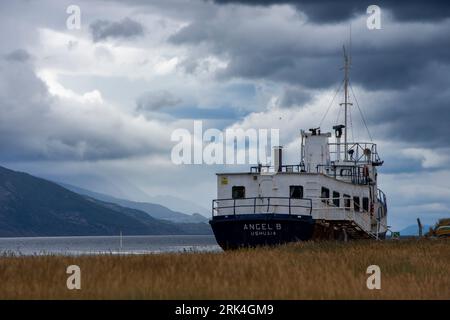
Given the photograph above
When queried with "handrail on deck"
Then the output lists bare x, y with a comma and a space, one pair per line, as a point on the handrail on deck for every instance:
363, 152
381, 197
284, 168
216, 204
355, 173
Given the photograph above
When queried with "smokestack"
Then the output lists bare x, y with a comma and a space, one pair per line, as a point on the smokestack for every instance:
277, 158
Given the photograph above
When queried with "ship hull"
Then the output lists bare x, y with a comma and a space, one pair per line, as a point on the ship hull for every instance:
237, 231
252, 230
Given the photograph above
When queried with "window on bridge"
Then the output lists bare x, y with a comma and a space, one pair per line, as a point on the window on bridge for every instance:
325, 194
296, 192
356, 204
366, 204
238, 192
347, 202
336, 200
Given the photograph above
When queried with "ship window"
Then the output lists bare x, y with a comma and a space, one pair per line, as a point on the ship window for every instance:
347, 201
366, 204
345, 173
296, 192
336, 200
238, 192
356, 203
325, 193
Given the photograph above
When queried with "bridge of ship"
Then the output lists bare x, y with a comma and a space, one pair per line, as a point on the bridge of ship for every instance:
352, 170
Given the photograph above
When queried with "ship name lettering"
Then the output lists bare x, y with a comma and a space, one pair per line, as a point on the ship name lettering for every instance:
262, 226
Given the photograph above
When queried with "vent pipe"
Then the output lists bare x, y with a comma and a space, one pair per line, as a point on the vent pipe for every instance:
278, 158
338, 133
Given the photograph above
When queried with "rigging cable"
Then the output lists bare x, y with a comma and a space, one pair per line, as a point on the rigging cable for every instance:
338, 114
360, 111
331, 103
351, 123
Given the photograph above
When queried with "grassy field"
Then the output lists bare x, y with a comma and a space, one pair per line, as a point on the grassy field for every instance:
316, 270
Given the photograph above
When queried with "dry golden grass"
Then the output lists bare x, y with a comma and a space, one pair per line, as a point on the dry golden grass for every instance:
316, 270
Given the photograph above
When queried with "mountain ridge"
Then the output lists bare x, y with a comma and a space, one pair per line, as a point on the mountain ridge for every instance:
32, 206
156, 210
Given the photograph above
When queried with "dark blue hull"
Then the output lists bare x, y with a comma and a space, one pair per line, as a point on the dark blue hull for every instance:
251, 230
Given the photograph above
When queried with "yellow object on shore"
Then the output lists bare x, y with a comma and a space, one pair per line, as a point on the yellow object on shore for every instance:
443, 231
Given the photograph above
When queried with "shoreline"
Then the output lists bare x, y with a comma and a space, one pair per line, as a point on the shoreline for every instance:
69, 246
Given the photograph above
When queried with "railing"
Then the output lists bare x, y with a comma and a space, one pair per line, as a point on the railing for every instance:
262, 205
381, 197
354, 174
318, 208
358, 152
272, 169
326, 209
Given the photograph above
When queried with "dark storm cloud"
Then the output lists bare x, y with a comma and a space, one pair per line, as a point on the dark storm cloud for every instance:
420, 114
194, 112
383, 59
19, 55
294, 97
337, 11
165, 102
153, 101
35, 125
406, 63
126, 28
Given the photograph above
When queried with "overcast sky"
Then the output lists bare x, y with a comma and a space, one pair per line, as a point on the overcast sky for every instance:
95, 106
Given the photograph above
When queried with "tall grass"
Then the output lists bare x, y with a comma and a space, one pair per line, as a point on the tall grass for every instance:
314, 270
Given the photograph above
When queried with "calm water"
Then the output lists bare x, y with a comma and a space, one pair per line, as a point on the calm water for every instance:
96, 245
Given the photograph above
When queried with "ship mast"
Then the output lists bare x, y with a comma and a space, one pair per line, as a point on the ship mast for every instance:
346, 102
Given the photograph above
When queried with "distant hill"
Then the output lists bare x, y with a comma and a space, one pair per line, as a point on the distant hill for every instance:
31, 206
155, 210
179, 205
413, 230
